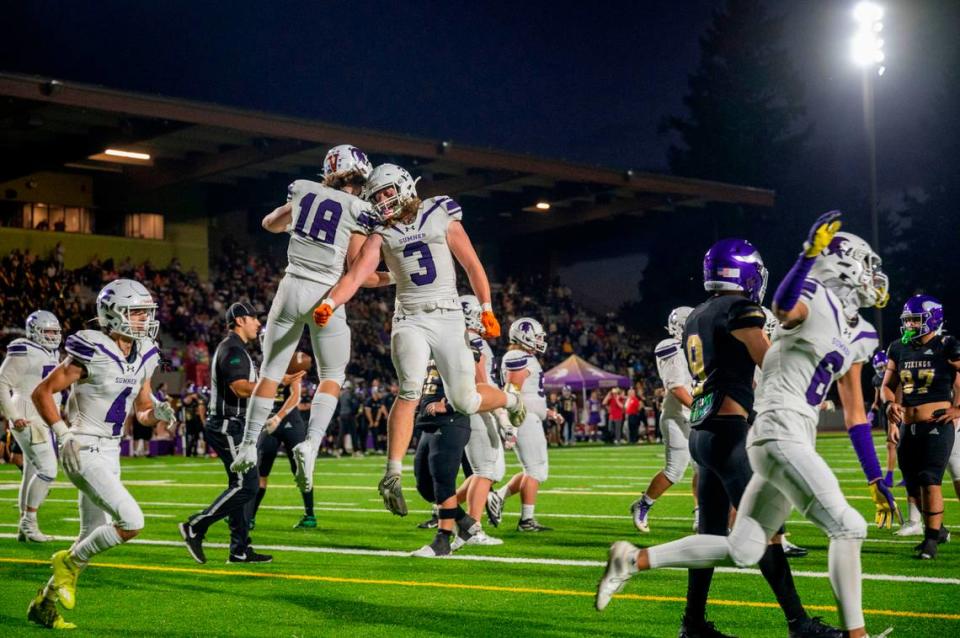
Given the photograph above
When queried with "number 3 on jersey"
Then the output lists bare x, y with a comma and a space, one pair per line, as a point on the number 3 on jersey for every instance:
325, 220
429, 273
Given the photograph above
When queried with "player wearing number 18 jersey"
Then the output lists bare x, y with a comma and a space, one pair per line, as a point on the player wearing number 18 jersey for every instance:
419, 241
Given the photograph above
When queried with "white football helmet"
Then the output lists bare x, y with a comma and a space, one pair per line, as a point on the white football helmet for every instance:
385, 176
471, 312
528, 333
677, 320
344, 160
118, 300
43, 328
851, 269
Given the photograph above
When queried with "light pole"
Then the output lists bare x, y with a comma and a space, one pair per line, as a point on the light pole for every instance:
866, 48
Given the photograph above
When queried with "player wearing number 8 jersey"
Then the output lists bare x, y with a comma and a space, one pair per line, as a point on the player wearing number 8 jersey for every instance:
419, 241
327, 223
110, 373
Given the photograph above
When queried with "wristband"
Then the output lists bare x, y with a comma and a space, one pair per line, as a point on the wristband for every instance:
866, 453
486, 307
60, 428
330, 302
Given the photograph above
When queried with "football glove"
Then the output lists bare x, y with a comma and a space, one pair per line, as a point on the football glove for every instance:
69, 448
822, 232
323, 312
164, 412
508, 434
491, 327
245, 459
392, 493
886, 505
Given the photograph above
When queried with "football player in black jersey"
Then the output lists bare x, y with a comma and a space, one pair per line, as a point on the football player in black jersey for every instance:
725, 341
923, 364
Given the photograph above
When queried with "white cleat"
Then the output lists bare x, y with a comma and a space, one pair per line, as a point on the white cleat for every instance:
481, 538
910, 528
440, 547
494, 508
31, 533
617, 574
305, 459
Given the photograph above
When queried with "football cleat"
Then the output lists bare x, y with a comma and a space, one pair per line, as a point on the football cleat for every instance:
249, 556
532, 525
944, 536
616, 575
466, 528
304, 458
927, 550
194, 542
494, 508
696, 518
793, 551
640, 510
519, 411
430, 523
702, 629
43, 611
392, 494
65, 574
481, 538
439, 547
306, 522
910, 528
29, 532
813, 628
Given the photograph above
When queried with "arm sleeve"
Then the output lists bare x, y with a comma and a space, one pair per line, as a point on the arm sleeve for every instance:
14, 366
234, 365
745, 314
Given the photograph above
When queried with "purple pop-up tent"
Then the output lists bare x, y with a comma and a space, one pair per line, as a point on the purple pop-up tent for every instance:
580, 375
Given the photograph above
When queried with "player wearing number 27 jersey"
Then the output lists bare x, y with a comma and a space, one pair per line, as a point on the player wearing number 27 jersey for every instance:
419, 241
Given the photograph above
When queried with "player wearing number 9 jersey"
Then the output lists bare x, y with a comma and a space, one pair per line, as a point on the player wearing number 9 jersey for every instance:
327, 223
110, 372
419, 241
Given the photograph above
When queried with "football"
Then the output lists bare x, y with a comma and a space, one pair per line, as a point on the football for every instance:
300, 362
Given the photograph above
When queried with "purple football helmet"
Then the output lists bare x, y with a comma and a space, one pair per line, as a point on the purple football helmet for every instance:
879, 361
734, 264
922, 314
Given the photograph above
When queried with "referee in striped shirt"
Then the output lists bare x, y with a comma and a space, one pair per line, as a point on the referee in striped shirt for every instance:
233, 379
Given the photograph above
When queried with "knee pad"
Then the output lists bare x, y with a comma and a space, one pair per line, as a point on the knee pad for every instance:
852, 526
337, 375
131, 516
465, 402
410, 389
748, 542
677, 461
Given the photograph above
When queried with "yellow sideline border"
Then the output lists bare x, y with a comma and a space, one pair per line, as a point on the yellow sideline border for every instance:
461, 586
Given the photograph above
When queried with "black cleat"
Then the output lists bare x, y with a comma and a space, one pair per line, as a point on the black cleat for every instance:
927, 550
532, 525
250, 556
813, 628
194, 542
703, 629
431, 523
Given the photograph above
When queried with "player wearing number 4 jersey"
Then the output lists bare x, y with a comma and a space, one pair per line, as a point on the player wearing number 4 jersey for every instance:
419, 241
110, 372
822, 339
327, 224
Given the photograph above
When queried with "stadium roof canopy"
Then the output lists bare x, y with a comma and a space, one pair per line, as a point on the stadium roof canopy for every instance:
250, 156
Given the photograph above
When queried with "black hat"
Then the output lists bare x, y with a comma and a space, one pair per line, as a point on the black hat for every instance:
237, 310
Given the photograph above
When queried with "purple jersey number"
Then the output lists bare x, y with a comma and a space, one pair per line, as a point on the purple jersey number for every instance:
823, 377
540, 392
117, 413
46, 370
425, 261
325, 221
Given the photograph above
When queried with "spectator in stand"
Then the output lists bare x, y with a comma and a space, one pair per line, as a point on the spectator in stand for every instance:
632, 409
614, 403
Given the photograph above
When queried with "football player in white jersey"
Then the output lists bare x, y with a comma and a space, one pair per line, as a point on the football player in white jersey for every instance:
674, 418
327, 223
484, 449
521, 368
822, 339
29, 360
110, 372
419, 240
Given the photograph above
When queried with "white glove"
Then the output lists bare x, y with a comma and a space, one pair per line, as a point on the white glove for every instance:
272, 424
69, 448
508, 434
245, 459
164, 412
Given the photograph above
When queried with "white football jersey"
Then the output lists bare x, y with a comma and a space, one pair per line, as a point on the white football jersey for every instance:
25, 366
419, 258
101, 401
674, 373
534, 398
323, 220
804, 361
476, 341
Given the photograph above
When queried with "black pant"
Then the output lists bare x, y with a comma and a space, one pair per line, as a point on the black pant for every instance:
241, 488
348, 425
924, 452
439, 453
633, 426
719, 446
291, 432
194, 433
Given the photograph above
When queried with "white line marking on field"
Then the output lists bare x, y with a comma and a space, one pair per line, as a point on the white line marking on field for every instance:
509, 560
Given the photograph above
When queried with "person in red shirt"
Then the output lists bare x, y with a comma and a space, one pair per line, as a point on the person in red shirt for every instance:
632, 410
614, 403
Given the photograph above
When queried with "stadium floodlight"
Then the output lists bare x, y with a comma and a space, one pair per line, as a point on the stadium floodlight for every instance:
866, 46
116, 152
542, 205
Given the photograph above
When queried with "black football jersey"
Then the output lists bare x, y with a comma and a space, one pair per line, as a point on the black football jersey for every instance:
718, 361
431, 393
926, 375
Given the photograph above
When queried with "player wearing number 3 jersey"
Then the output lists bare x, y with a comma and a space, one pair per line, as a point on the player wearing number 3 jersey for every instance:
327, 224
419, 241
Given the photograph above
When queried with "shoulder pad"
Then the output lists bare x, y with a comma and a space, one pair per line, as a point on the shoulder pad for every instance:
516, 360
441, 202
86, 346
666, 348
744, 313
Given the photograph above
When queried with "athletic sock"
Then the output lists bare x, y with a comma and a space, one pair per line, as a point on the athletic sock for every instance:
30, 517
646, 499
843, 559
307, 502
776, 570
931, 533
394, 467
913, 512
526, 511
37, 491
99, 540
321, 412
258, 409
261, 491
698, 588
504, 491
